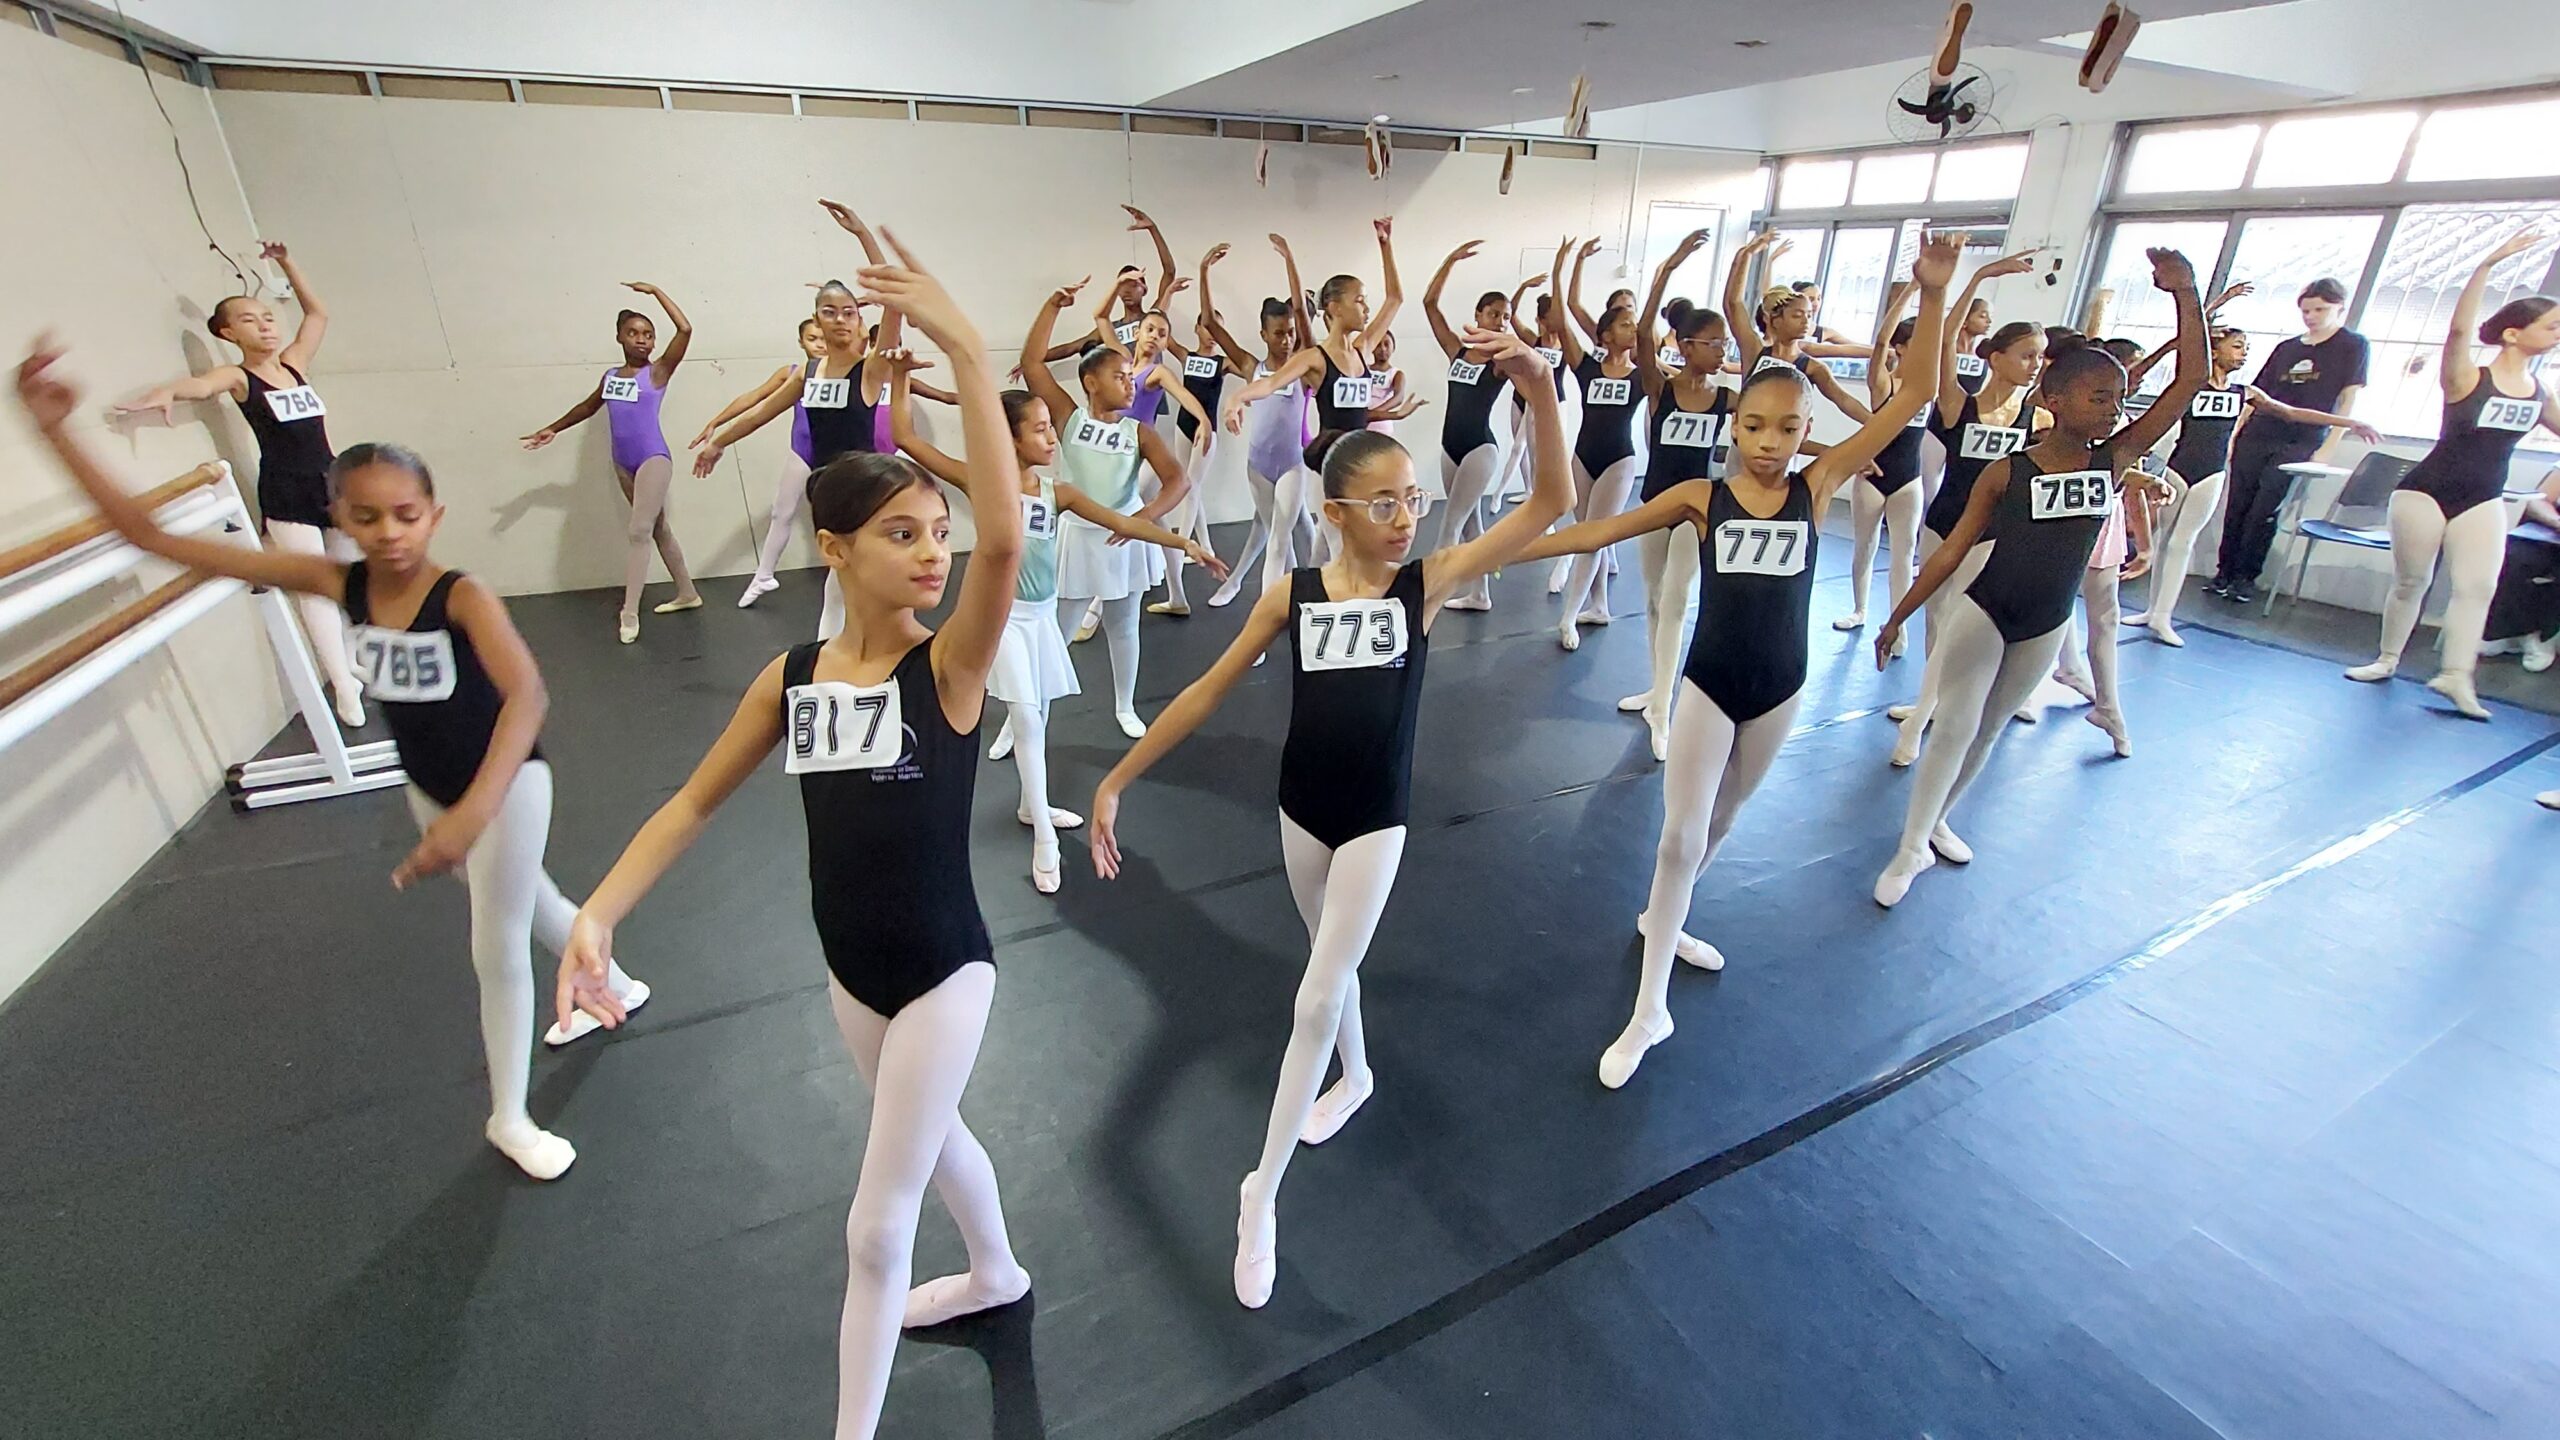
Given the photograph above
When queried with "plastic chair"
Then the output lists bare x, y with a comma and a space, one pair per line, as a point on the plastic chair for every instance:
2360, 517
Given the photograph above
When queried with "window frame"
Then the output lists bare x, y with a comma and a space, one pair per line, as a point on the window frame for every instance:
1831, 220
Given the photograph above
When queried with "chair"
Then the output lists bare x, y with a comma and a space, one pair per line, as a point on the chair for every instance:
2359, 517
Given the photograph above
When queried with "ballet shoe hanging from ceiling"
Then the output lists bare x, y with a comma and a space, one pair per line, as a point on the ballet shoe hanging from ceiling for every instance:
1262, 164
2107, 45
1577, 111
1381, 149
1509, 154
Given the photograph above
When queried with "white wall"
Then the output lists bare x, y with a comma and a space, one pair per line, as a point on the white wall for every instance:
98, 231
472, 252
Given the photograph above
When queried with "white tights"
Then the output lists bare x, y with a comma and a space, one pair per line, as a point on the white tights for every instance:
1293, 496
2474, 546
2170, 556
1029, 725
513, 903
1586, 587
1120, 632
1670, 559
1188, 519
1897, 516
647, 491
1256, 539
916, 1065
831, 609
1713, 767
1934, 611
1463, 519
788, 497
1340, 894
322, 621
1982, 680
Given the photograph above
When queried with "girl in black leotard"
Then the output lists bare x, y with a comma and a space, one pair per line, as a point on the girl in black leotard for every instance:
463, 700
2448, 504
271, 387
1780, 325
879, 725
1746, 668
1467, 448
1887, 502
1604, 447
2044, 507
1359, 630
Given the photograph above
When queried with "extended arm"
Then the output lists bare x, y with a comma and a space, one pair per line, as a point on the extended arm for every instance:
1197, 702
747, 400
1676, 506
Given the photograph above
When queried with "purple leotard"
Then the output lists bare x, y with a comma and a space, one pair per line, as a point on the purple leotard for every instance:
637, 436
1147, 402
800, 419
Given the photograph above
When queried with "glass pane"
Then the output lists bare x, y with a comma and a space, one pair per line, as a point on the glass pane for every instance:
1801, 261
2280, 255
1894, 179
2134, 308
1814, 184
1987, 172
1853, 284
2169, 161
2360, 149
2423, 270
2489, 142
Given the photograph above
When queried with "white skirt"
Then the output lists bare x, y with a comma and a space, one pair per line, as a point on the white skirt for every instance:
1031, 666
1090, 567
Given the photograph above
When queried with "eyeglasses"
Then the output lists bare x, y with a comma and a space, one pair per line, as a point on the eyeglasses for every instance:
830, 312
1382, 511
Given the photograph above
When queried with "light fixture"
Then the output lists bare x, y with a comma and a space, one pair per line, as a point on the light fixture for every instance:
1750, 44
1390, 75
1524, 89
1377, 119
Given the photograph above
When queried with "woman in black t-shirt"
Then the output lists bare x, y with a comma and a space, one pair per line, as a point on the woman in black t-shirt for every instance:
2321, 371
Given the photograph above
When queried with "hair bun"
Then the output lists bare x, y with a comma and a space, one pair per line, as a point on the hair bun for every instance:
1320, 447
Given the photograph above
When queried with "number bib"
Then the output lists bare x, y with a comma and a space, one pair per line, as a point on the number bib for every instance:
1465, 372
1125, 331
1352, 392
1689, 429
403, 667
1607, 390
1990, 442
1553, 355
1771, 362
1039, 522
2072, 495
837, 726
1760, 547
1200, 367
1351, 634
1112, 439
621, 389
2216, 405
298, 403
820, 393
1972, 367
2501, 413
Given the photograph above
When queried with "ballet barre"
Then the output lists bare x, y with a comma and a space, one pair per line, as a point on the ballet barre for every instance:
50, 571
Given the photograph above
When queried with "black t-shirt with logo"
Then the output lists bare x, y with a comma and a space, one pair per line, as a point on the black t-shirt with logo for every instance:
2311, 377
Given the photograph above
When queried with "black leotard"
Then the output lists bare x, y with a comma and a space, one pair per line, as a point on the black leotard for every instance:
2204, 432
293, 453
1900, 457
839, 430
1692, 451
1467, 425
2468, 465
1608, 433
888, 815
1971, 371
1334, 397
2036, 565
436, 697
1962, 468
1204, 389
1755, 598
1346, 769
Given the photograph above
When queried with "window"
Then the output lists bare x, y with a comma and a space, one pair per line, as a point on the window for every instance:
2358, 148
2165, 161
1989, 172
1801, 260
1893, 179
1814, 184
2373, 196
1853, 284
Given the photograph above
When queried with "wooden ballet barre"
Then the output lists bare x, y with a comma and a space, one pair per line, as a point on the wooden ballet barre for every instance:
37, 551
25, 681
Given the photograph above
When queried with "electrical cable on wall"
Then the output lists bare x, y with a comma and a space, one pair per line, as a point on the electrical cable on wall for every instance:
178, 147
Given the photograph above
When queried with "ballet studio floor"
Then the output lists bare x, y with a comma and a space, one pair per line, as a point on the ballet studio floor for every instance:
2221, 1097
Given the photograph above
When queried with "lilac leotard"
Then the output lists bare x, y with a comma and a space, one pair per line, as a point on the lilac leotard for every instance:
800, 419
637, 436
1144, 407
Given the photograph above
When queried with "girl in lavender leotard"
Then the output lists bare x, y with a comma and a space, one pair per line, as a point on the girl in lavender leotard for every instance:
792, 491
630, 394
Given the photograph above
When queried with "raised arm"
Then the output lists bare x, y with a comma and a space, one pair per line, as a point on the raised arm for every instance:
1573, 291
2171, 272
1104, 333
1168, 272
1648, 354
1741, 316
1228, 345
1452, 567
1297, 293
50, 399
1382, 320
1035, 348
2461, 371
1263, 626
1951, 395
1930, 272
1880, 354
668, 359
315, 315
1566, 340
1450, 344
1519, 295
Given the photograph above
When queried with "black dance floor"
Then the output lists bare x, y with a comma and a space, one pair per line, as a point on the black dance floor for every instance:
2220, 1097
